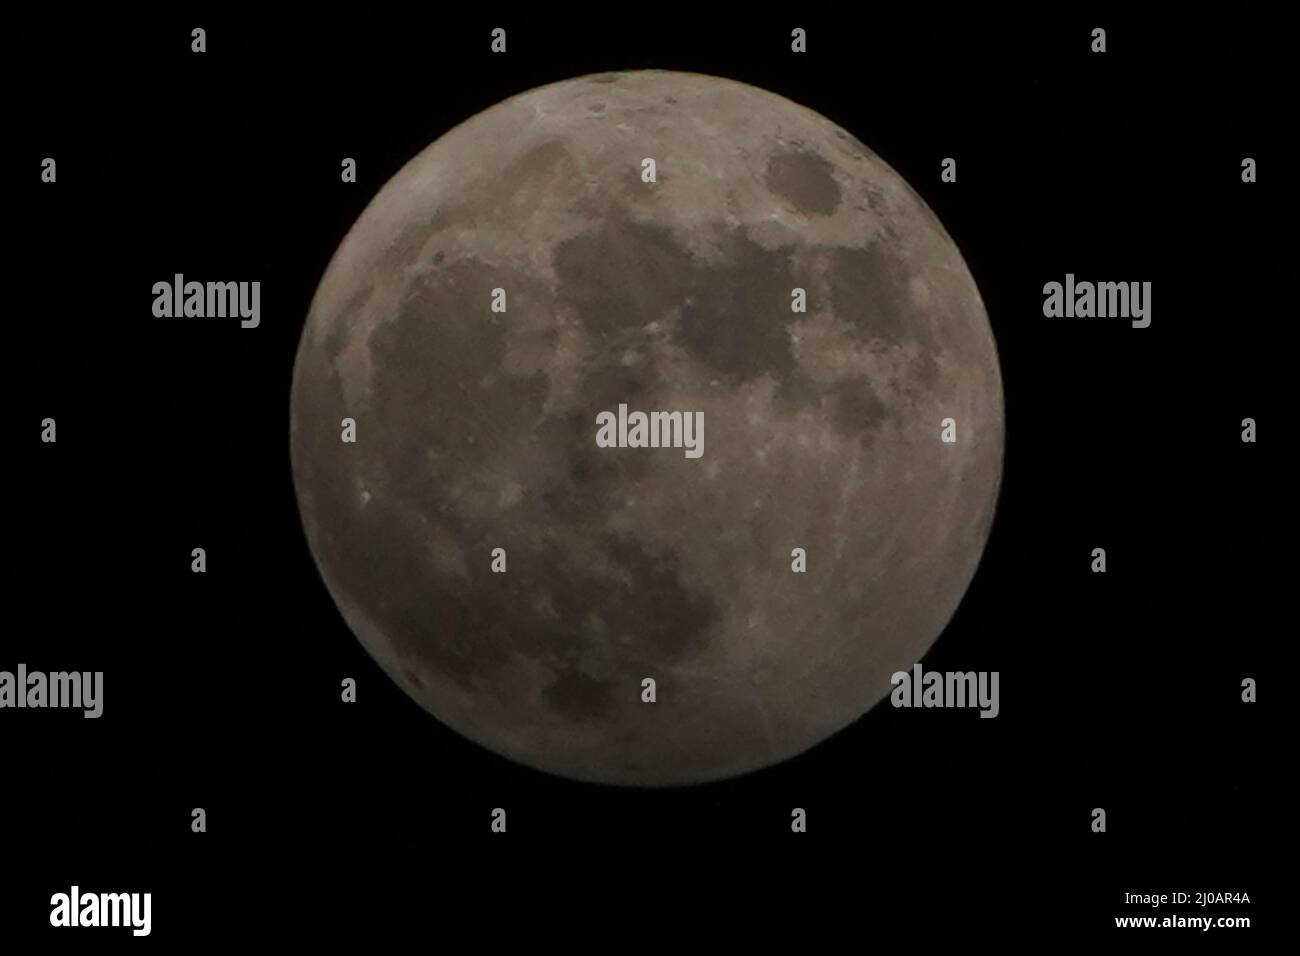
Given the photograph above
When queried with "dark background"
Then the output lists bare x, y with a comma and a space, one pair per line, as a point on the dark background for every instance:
1119, 690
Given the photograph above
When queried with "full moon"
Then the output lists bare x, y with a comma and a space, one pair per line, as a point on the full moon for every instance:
669, 242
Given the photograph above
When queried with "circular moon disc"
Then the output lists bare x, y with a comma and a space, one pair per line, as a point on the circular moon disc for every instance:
531, 269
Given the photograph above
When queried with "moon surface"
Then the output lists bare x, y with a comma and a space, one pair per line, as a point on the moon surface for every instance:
476, 429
